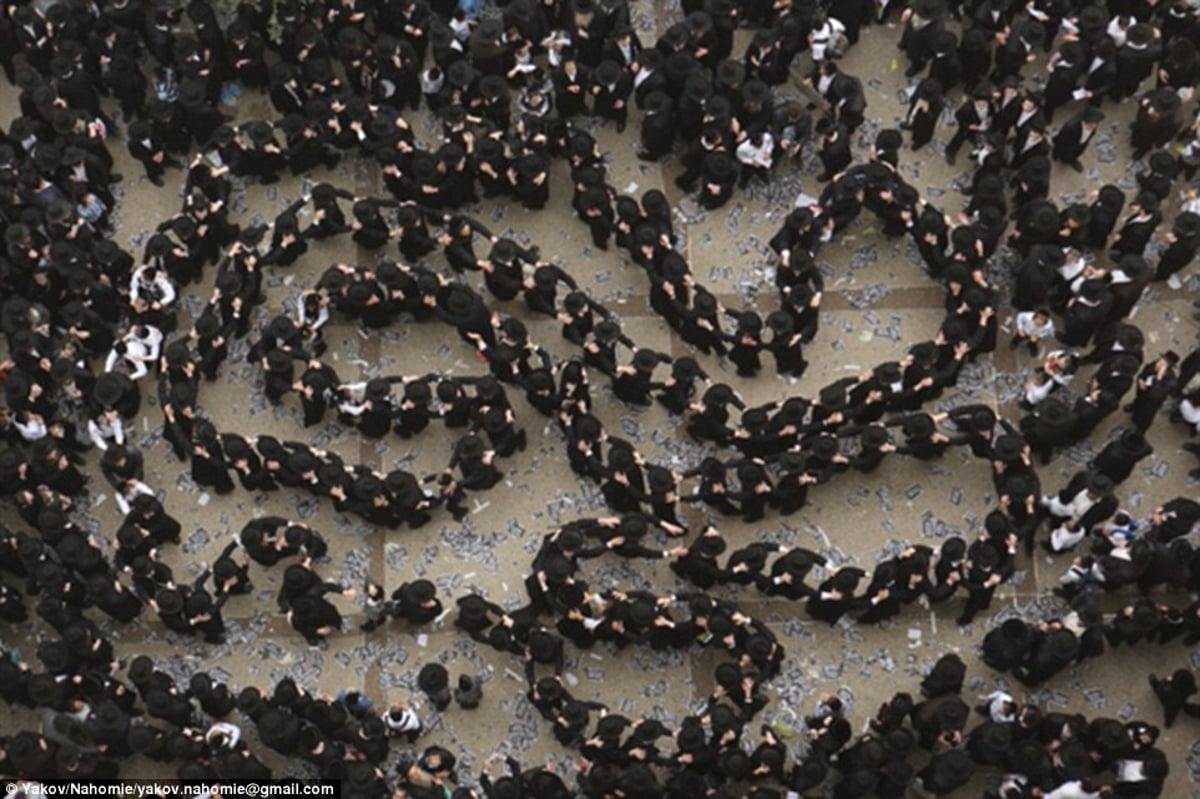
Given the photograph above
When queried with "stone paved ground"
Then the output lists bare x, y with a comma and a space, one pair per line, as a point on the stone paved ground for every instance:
878, 302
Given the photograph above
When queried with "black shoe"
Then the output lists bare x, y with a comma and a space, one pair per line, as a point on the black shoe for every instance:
1078, 167
950, 157
621, 127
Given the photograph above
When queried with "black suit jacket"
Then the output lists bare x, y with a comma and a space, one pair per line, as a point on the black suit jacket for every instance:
1069, 143
605, 98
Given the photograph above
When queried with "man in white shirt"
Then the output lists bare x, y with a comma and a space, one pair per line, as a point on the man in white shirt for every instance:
223, 736
825, 37
31, 426
127, 492
755, 153
1086, 501
402, 720
129, 357
1033, 327
152, 286
105, 427
149, 337
1073, 789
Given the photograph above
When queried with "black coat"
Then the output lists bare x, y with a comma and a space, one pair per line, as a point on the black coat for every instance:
1071, 140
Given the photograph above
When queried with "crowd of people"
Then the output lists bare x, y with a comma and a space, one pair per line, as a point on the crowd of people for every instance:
87, 324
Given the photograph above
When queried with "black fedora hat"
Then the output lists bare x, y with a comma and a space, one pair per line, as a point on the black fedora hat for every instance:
1187, 225
645, 360
698, 88
192, 94
471, 446
607, 73
460, 74
832, 398
420, 591
260, 133
27, 78
954, 766
1061, 645
169, 601
730, 73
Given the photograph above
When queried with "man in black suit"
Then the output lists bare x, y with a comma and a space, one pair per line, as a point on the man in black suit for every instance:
1066, 67
1006, 104
848, 101
145, 146
247, 54
649, 75
286, 94
611, 87
1136, 58
1029, 115
1101, 76
623, 47
1030, 143
1074, 136
835, 148
972, 118
571, 84
711, 140
658, 127
1174, 518
1017, 49
1173, 692
718, 178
